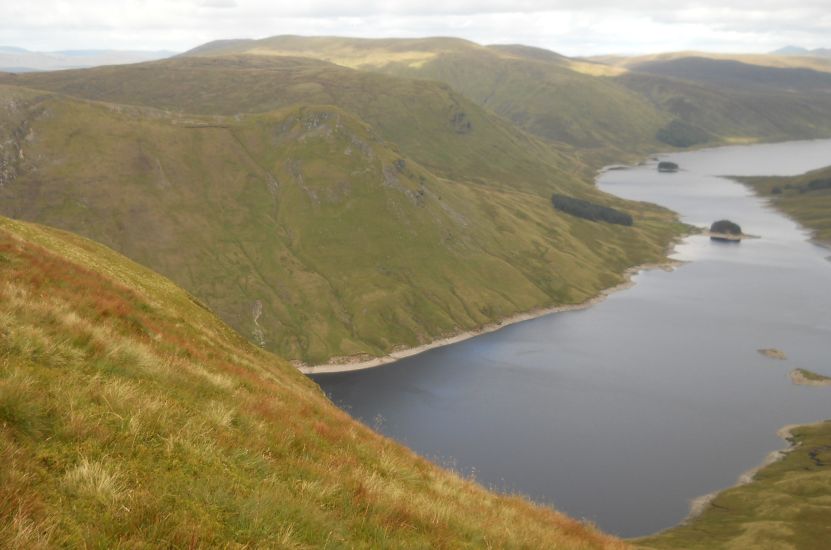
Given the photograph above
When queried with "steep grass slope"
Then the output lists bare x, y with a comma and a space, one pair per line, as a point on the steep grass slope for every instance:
680, 103
734, 101
735, 75
130, 416
608, 111
307, 228
764, 60
540, 91
709, 113
806, 198
546, 96
786, 505
429, 122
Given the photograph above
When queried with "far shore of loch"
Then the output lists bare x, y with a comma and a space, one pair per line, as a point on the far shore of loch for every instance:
354, 363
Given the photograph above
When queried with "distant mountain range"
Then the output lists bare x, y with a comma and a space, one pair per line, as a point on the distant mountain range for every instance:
798, 50
19, 60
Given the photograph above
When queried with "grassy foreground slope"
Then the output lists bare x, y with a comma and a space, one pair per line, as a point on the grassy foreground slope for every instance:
786, 506
130, 416
319, 210
806, 198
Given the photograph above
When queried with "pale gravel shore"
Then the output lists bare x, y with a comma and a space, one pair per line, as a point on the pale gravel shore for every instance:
354, 363
728, 236
347, 364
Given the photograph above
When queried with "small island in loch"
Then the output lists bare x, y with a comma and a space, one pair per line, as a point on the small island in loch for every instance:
725, 230
773, 353
668, 167
804, 377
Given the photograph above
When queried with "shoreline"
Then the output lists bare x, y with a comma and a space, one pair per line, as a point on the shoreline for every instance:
349, 364
728, 236
363, 362
699, 504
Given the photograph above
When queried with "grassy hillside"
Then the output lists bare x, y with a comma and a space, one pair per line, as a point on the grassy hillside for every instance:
540, 91
307, 228
764, 60
428, 121
806, 198
130, 416
786, 506
326, 211
607, 108
546, 96
733, 116
733, 98
736, 75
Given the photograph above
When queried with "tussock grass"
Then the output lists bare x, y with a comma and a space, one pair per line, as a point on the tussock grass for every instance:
96, 481
131, 417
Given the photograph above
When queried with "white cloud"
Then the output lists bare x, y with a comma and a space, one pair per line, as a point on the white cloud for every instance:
218, 4
571, 26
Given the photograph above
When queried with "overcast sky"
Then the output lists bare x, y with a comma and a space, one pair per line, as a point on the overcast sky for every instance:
572, 27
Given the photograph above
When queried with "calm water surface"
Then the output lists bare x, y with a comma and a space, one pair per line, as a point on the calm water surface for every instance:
624, 412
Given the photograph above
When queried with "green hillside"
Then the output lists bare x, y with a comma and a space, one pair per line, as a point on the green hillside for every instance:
538, 90
806, 198
608, 108
732, 101
131, 417
328, 210
346, 213
765, 60
426, 120
732, 74
546, 96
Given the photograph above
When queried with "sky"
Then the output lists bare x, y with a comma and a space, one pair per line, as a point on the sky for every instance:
571, 27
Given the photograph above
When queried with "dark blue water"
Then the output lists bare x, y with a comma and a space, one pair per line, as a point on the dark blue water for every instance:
624, 412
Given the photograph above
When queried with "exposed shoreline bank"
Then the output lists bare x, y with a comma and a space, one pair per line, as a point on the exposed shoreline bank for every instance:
771, 203
699, 504
356, 363
348, 364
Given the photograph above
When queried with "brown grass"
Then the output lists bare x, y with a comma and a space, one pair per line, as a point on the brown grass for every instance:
130, 416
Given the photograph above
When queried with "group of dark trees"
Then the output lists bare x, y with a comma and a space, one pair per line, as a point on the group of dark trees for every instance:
589, 210
813, 185
816, 185
727, 227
